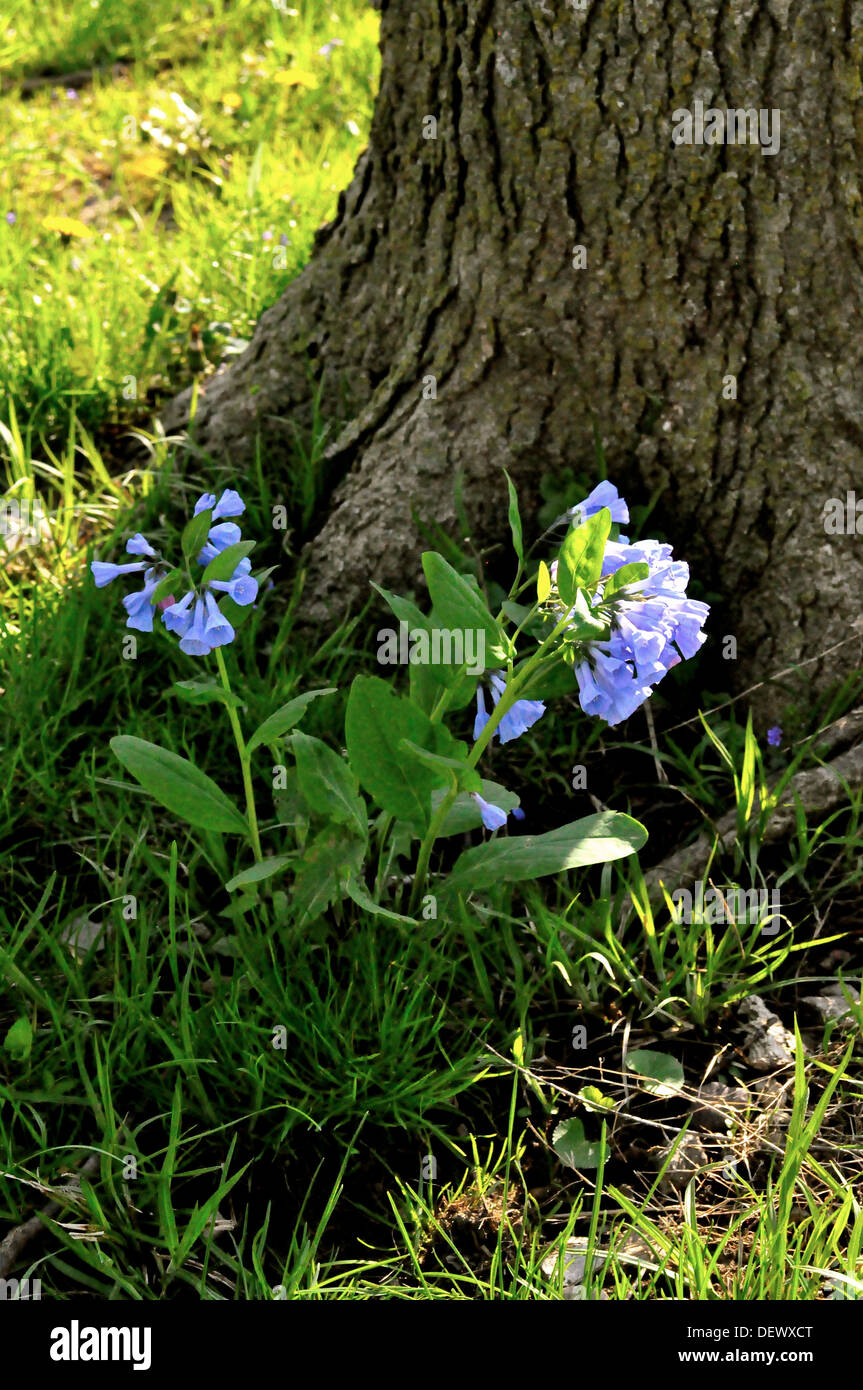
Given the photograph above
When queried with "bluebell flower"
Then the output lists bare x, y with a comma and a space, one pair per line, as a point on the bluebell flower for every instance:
139, 545
219, 631
515, 722
138, 605
195, 618
604, 495
653, 625
229, 504
178, 618
194, 641
492, 816
243, 589
103, 572
225, 534
774, 736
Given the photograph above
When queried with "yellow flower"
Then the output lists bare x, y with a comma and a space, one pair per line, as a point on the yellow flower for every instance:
66, 226
296, 77
232, 100
146, 166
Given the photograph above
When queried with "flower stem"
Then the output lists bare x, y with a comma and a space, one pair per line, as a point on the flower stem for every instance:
245, 761
505, 703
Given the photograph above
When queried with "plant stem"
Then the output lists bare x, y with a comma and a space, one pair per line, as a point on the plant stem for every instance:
506, 702
245, 761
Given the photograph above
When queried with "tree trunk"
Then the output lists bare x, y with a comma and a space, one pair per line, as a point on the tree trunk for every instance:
454, 256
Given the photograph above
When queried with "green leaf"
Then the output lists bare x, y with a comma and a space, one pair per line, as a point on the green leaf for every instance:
236, 613
355, 890
585, 625
592, 840
467, 777
328, 784
572, 1148
627, 574
265, 868
205, 692
459, 605
328, 862
424, 676
375, 723
593, 1100
196, 531
464, 814
664, 1073
222, 566
543, 582
516, 612
18, 1041
404, 609
579, 563
179, 786
515, 519
285, 718
171, 584
263, 575
425, 688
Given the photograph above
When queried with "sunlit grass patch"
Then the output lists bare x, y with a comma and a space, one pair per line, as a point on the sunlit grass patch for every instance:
181, 186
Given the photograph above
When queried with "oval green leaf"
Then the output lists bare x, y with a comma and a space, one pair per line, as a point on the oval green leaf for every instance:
179, 786
285, 718
592, 840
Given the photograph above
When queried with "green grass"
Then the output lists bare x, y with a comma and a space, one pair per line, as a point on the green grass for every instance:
154, 1047
351, 1110
174, 225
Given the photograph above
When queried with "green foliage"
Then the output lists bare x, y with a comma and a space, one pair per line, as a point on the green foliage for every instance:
178, 785
155, 1036
594, 840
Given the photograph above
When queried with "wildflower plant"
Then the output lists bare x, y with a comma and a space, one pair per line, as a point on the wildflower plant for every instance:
211, 542
607, 618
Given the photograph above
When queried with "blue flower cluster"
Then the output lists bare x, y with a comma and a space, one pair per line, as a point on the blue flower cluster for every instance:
651, 626
653, 623
196, 617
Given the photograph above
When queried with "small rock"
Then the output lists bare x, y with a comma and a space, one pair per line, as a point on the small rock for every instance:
767, 1044
730, 1103
81, 934
575, 1262
832, 1006
687, 1160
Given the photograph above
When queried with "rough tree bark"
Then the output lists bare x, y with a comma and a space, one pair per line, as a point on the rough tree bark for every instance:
453, 257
